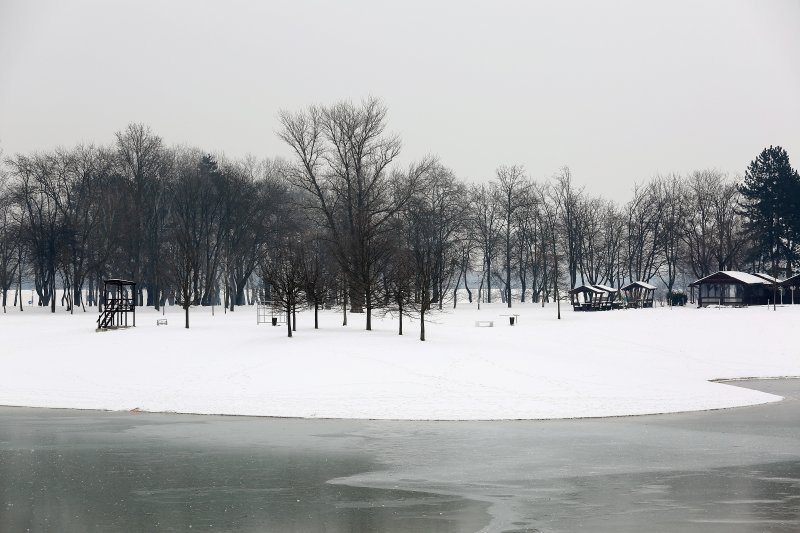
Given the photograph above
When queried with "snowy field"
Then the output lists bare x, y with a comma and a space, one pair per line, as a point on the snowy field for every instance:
586, 365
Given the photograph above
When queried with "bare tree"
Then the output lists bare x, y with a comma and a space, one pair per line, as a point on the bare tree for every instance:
700, 189
318, 274
485, 222
643, 214
568, 199
552, 201
512, 185
343, 158
42, 231
671, 194
195, 203
282, 268
143, 161
10, 256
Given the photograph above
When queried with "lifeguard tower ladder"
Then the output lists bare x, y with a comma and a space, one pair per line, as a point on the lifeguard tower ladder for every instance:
119, 301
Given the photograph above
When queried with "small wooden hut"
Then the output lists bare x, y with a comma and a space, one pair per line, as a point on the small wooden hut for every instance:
731, 287
588, 298
638, 294
119, 301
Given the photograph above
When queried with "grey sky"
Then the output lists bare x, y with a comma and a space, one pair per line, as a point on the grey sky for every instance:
619, 91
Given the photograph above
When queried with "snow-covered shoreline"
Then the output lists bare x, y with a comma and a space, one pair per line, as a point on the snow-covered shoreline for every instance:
614, 363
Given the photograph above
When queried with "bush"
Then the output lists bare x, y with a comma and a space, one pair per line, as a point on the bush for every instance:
677, 298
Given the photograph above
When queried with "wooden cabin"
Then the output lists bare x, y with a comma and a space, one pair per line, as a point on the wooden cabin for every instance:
791, 290
731, 287
638, 294
589, 298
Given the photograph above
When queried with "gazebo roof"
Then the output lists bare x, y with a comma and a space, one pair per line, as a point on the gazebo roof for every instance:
587, 288
731, 276
640, 284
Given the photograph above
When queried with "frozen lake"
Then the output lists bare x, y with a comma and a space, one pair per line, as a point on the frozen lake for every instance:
732, 470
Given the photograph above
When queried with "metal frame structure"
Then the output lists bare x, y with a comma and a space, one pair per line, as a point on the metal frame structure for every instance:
119, 301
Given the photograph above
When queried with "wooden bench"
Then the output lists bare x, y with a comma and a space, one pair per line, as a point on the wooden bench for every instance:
484, 323
161, 322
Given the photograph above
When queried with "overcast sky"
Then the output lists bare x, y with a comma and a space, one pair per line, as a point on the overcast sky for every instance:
618, 91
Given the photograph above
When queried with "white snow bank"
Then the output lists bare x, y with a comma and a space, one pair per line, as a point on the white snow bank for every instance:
587, 364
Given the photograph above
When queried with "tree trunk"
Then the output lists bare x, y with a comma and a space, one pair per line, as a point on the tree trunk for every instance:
555, 276
356, 301
186, 310
316, 314
488, 281
400, 307
422, 325
455, 291
368, 296
508, 264
344, 307
19, 280
289, 320
53, 291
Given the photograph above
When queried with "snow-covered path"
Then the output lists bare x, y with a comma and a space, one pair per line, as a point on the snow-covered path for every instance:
588, 364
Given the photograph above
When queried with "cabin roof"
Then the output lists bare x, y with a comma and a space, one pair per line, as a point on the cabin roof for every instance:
641, 284
732, 275
767, 277
793, 281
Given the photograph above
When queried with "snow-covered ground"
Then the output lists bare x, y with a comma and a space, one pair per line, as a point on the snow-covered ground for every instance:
587, 364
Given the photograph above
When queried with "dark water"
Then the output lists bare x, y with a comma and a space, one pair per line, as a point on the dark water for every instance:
733, 470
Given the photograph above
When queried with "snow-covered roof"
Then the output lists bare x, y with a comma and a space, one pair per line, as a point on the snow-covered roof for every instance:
794, 281
587, 288
767, 277
744, 277
641, 284
604, 288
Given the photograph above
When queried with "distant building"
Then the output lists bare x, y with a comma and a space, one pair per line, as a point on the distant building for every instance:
731, 287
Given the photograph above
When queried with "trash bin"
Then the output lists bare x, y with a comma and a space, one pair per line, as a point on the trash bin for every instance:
511, 319
274, 321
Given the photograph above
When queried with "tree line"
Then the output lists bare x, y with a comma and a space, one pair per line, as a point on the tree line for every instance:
343, 223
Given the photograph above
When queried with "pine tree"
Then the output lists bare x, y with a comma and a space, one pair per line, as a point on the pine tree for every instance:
770, 202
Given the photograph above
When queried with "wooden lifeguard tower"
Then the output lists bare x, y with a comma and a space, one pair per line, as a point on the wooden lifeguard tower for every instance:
119, 301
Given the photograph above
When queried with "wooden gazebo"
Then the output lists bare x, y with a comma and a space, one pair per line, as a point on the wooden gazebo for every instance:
118, 301
614, 296
589, 298
639, 294
731, 287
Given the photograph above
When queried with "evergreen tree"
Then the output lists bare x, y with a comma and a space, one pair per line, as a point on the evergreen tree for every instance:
770, 201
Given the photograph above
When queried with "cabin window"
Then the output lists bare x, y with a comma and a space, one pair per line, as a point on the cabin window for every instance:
728, 291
